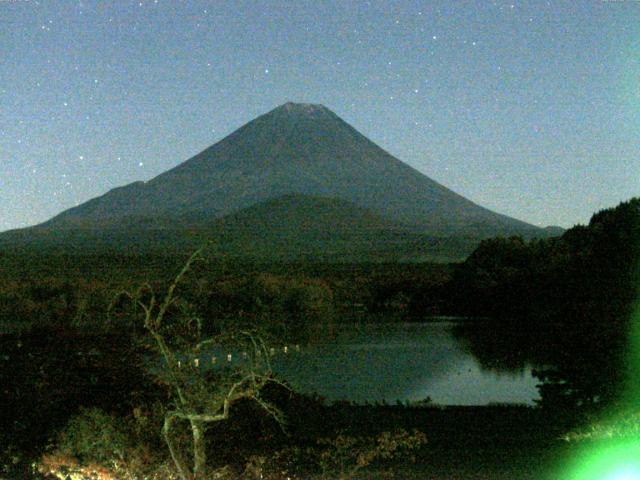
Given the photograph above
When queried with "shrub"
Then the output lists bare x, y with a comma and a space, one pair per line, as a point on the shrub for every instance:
96, 436
119, 447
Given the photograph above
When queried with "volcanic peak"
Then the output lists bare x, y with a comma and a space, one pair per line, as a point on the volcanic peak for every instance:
293, 107
301, 110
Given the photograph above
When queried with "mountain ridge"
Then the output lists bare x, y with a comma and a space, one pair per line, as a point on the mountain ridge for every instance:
300, 150
294, 148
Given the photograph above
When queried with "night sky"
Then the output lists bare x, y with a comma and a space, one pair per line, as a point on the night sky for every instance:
531, 109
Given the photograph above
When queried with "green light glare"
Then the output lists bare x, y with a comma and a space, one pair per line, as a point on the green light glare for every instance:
619, 461
624, 474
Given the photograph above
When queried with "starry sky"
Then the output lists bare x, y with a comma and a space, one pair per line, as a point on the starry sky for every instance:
531, 109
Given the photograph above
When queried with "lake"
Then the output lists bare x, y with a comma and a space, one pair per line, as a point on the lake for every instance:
401, 361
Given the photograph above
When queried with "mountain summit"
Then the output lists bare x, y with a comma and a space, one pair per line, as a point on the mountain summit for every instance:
295, 149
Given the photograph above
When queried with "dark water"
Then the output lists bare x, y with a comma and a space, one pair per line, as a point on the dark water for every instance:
407, 362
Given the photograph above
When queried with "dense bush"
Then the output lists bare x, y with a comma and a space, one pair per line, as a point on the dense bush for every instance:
123, 446
96, 436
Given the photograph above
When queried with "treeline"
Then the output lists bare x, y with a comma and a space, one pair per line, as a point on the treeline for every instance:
62, 290
588, 272
564, 302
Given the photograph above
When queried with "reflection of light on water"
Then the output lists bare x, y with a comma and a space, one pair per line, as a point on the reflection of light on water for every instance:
467, 383
407, 363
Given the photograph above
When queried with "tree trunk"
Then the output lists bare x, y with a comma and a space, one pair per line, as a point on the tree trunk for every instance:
199, 450
175, 455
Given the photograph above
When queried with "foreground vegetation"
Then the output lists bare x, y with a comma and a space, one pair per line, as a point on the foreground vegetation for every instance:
79, 392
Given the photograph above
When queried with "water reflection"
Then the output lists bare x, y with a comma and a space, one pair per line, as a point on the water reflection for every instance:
406, 362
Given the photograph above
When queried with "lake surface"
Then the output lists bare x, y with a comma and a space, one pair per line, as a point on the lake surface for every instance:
407, 362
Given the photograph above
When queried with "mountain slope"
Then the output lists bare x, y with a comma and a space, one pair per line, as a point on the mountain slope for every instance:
288, 228
294, 149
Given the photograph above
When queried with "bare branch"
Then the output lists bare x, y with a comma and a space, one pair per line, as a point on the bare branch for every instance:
203, 398
168, 299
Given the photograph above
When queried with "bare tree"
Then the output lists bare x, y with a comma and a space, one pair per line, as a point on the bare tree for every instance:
208, 366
